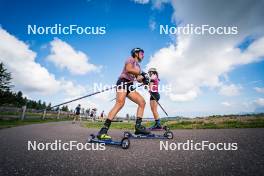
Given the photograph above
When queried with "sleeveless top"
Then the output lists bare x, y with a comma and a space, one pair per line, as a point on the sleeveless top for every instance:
127, 75
155, 80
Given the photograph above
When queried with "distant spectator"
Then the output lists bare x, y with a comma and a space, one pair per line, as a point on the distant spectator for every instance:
102, 115
77, 113
93, 113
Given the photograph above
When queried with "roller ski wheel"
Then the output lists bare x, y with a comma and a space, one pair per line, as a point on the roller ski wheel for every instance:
163, 128
92, 136
168, 135
166, 128
127, 134
124, 143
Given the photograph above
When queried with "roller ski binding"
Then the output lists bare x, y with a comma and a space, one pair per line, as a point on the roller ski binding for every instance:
124, 143
142, 133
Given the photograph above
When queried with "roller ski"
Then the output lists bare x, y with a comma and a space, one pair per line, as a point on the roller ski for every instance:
160, 128
166, 135
157, 127
124, 143
142, 133
164, 128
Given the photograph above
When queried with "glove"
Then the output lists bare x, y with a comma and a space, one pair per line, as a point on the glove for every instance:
144, 74
146, 78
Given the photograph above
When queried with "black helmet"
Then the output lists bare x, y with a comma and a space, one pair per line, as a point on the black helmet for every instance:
136, 50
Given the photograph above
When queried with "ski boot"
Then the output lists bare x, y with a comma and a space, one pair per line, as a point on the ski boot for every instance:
140, 129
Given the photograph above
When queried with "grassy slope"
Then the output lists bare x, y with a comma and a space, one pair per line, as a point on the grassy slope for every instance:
206, 123
13, 123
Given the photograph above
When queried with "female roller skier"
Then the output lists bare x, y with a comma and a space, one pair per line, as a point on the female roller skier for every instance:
125, 88
154, 96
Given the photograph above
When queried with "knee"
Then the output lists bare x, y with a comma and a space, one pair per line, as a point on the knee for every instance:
120, 103
142, 103
152, 108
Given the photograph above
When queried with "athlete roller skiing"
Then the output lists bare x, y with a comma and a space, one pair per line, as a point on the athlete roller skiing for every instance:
125, 88
154, 96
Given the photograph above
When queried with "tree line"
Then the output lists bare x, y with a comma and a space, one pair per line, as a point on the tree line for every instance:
16, 99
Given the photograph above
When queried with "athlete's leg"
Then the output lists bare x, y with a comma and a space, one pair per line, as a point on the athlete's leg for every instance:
74, 119
154, 109
120, 101
80, 118
139, 100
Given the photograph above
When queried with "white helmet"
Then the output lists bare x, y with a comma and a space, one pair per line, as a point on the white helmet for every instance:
152, 70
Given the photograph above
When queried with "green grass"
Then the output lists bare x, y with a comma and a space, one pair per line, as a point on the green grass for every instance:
114, 125
207, 123
218, 123
10, 113
31, 114
13, 123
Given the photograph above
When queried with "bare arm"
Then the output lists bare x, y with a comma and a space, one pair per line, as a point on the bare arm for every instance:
131, 70
150, 87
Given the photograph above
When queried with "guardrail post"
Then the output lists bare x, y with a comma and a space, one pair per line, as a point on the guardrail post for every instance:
58, 116
44, 114
24, 108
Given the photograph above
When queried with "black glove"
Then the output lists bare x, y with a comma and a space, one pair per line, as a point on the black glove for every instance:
146, 78
144, 74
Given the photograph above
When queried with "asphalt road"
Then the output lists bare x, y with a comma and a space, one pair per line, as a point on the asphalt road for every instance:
144, 157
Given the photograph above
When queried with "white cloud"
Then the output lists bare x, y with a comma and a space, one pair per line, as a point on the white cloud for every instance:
260, 102
105, 96
141, 1
85, 103
230, 90
152, 24
64, 56
71, 89
225, 103
259, 89
27, 74
197, 61
156, 4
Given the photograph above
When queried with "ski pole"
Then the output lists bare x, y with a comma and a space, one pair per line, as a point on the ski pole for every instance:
158, 103
89, 95
131, 91
83, 97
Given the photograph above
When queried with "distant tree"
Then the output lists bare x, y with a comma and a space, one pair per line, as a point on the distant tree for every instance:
20, 101
49, 107
6, 97
34, 104
19, 95
44, 106
57, 108
9, 98
39, 104
5, 78
65, 108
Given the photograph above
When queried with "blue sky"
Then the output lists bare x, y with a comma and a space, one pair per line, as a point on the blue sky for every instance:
126, 23
233, 87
